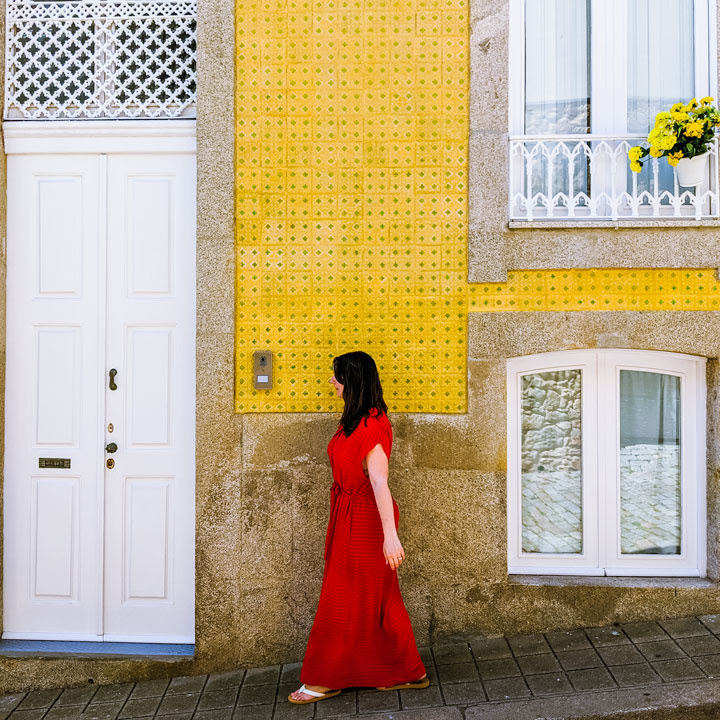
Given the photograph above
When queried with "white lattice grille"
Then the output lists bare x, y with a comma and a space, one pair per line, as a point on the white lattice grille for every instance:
588, 177
100, 59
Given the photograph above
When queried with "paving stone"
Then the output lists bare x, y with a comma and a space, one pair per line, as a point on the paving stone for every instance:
636, 674
529, 644
149, 688
711, 622
673, 670
710, 664
506, 688
102, 711
256, 694
660, 650
113, 693
10, 702
64, 712
141, 707
426, 655
220, 699
452, 653
260, 712
607, 635
224, 680
29, 714
376, 701
620, 655
459, 672
173, 704
288, 711
464, 693
568, 640
549, 684
76, 696
644, 631
579, 659
215, 714
702, 645
500, 668
490, 648
683, 627
186, 684
37, 699
284, 689
290, 672
179, 716
343, 704
534, 664
427, 697
591, 679
262, 676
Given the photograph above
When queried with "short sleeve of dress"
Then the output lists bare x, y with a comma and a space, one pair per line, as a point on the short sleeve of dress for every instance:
378, 430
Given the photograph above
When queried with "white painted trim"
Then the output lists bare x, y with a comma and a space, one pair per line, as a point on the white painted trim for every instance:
600, 409
23, 137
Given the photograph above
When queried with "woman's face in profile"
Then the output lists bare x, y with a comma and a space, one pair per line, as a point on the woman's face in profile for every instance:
339, 387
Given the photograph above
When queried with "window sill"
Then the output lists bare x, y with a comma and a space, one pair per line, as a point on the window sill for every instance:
614, 224
692, 583
88, 649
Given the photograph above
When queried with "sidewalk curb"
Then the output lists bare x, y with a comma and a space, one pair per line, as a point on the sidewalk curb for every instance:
692, 699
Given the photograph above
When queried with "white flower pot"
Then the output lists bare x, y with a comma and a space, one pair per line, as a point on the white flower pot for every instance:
692, 171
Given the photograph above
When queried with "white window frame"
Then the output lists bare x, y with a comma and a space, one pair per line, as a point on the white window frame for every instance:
608, 63
600, 464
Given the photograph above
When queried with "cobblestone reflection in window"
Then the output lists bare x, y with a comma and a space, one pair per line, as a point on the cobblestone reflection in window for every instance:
551, 458
649, 462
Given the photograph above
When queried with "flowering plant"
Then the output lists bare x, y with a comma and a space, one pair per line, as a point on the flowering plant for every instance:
684, 132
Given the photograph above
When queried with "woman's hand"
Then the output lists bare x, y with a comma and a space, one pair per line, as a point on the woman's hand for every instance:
393, 552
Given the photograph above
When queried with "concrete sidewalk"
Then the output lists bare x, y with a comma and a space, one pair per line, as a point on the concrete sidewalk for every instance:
665, 669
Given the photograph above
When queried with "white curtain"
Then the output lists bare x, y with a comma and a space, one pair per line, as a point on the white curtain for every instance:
661, 62
557, 66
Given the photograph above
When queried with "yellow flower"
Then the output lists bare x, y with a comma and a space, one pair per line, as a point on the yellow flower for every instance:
676, 107
674, 158
668, 141
634, 153
679, 115
694, 129
635, 166
692, 104
662, 118
655, 151
707, 100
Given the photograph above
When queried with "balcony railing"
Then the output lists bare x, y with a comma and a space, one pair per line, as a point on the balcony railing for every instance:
100, 59
588, 177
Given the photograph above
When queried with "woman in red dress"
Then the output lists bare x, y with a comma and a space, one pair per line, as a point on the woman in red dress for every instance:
362, 634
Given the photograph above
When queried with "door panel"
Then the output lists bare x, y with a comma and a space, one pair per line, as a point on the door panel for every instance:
51, 573
149, 556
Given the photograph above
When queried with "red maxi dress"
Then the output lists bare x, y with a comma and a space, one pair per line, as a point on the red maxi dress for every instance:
361, 636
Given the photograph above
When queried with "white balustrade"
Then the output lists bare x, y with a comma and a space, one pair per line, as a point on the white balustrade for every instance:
588, 177
100, 59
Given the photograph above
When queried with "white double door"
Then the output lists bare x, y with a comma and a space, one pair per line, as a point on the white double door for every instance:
100, 395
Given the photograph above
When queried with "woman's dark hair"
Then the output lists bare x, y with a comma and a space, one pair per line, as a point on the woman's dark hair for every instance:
362, 392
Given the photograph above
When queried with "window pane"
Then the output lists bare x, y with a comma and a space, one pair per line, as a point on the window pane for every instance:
649, 463
557, 66
551, 457
661, 71
661, 63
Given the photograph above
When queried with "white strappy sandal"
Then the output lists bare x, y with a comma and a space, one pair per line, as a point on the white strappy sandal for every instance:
316, 695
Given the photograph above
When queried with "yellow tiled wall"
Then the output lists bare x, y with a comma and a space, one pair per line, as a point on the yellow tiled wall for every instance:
351, 157
351, 206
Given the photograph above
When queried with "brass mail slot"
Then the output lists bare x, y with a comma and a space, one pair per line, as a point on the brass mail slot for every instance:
54, 462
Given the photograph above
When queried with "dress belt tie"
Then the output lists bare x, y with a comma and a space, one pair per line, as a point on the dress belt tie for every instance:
335, 491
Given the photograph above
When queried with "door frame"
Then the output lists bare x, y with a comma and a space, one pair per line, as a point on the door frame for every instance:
27, 137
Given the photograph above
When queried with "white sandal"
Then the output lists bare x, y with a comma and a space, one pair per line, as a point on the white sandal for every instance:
316, 695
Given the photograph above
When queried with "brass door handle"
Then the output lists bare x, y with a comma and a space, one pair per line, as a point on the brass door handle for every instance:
111, 448
113, 373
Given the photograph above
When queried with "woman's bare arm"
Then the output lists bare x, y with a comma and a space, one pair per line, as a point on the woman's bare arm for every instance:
377, 469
